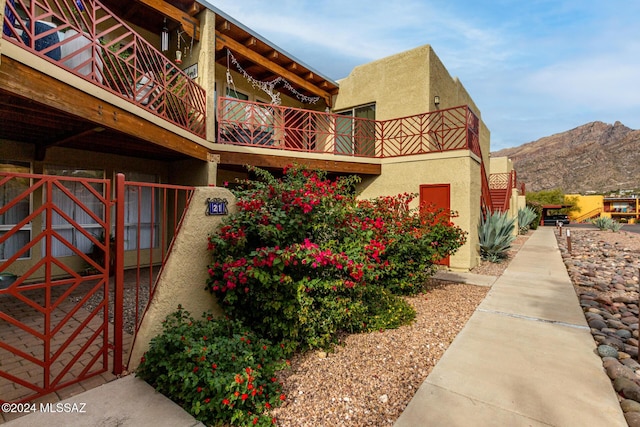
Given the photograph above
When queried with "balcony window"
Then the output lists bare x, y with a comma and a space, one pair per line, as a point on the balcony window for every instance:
356, 136
8, 192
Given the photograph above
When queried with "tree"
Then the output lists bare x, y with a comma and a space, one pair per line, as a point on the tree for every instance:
552, 197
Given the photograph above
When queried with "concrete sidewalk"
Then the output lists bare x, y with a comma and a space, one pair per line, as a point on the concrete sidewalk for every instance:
125, 402
525, 357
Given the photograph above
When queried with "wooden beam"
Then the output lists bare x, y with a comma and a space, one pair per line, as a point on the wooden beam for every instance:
225, 26
223, 40
189, 24
274, 54
18, 79
251, 42
279, 162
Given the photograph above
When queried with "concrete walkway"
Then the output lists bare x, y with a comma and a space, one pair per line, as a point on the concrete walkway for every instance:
125, 402
525, 357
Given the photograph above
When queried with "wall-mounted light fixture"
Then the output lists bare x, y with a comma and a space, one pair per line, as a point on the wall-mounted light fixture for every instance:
164, 37
436, 100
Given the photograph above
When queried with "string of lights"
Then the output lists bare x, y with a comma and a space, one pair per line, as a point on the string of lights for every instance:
269, 87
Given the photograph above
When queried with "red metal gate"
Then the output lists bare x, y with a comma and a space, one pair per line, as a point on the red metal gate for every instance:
53, 318
58, 321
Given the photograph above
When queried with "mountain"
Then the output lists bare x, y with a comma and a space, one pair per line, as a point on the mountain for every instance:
594, 157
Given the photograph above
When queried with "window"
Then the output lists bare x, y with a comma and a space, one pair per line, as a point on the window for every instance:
8, 192
232, 93
354, 136
141, 213
79, 211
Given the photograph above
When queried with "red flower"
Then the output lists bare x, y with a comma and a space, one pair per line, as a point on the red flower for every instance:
255, 421
283, 397
245, 396
196, 369
225, 401
207, 400
267, 405
199, 389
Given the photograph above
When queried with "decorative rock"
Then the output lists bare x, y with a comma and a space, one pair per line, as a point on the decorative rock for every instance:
597, 324
633, 419
631, 363
384, 399
623, 333
607, 351
614, 342
629, 405
631, 351
618, 370
627, 388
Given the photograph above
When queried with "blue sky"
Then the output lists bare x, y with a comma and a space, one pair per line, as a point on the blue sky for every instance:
533, 67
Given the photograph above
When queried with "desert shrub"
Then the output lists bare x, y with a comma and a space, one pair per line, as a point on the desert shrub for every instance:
303, 259
216, 369
496, 235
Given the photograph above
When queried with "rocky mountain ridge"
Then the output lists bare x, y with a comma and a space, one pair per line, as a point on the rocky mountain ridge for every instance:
595, 157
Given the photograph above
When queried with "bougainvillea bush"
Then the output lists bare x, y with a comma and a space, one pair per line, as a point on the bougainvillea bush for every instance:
303, 259
216, 369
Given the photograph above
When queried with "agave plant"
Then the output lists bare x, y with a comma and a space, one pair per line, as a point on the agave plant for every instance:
525, 217
606, 223
496, 235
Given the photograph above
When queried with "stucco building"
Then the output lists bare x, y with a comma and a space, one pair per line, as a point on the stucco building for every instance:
175, 95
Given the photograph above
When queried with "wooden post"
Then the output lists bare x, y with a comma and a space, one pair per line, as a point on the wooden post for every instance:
560, 228
568, 240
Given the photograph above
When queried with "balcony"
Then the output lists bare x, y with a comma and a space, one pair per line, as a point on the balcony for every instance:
286, 128
86, 39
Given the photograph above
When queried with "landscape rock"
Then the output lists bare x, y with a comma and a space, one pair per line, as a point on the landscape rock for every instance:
629, 405
633, 419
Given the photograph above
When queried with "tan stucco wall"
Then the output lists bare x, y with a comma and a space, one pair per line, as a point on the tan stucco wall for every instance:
460, 170
183, 279
501, 165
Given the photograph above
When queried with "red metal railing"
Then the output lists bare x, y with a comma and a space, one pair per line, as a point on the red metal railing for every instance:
85, 38
287, 128
155, 210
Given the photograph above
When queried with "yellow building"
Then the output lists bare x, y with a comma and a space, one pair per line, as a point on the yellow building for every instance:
620, 208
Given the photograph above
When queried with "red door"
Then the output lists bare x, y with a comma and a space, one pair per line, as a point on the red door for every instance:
440, 196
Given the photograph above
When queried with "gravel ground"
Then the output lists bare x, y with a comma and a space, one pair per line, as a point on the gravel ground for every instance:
370, 378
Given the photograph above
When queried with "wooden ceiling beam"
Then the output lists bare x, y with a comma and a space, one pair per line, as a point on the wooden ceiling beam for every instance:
190, 24
20, 80
223, 40
279, 162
